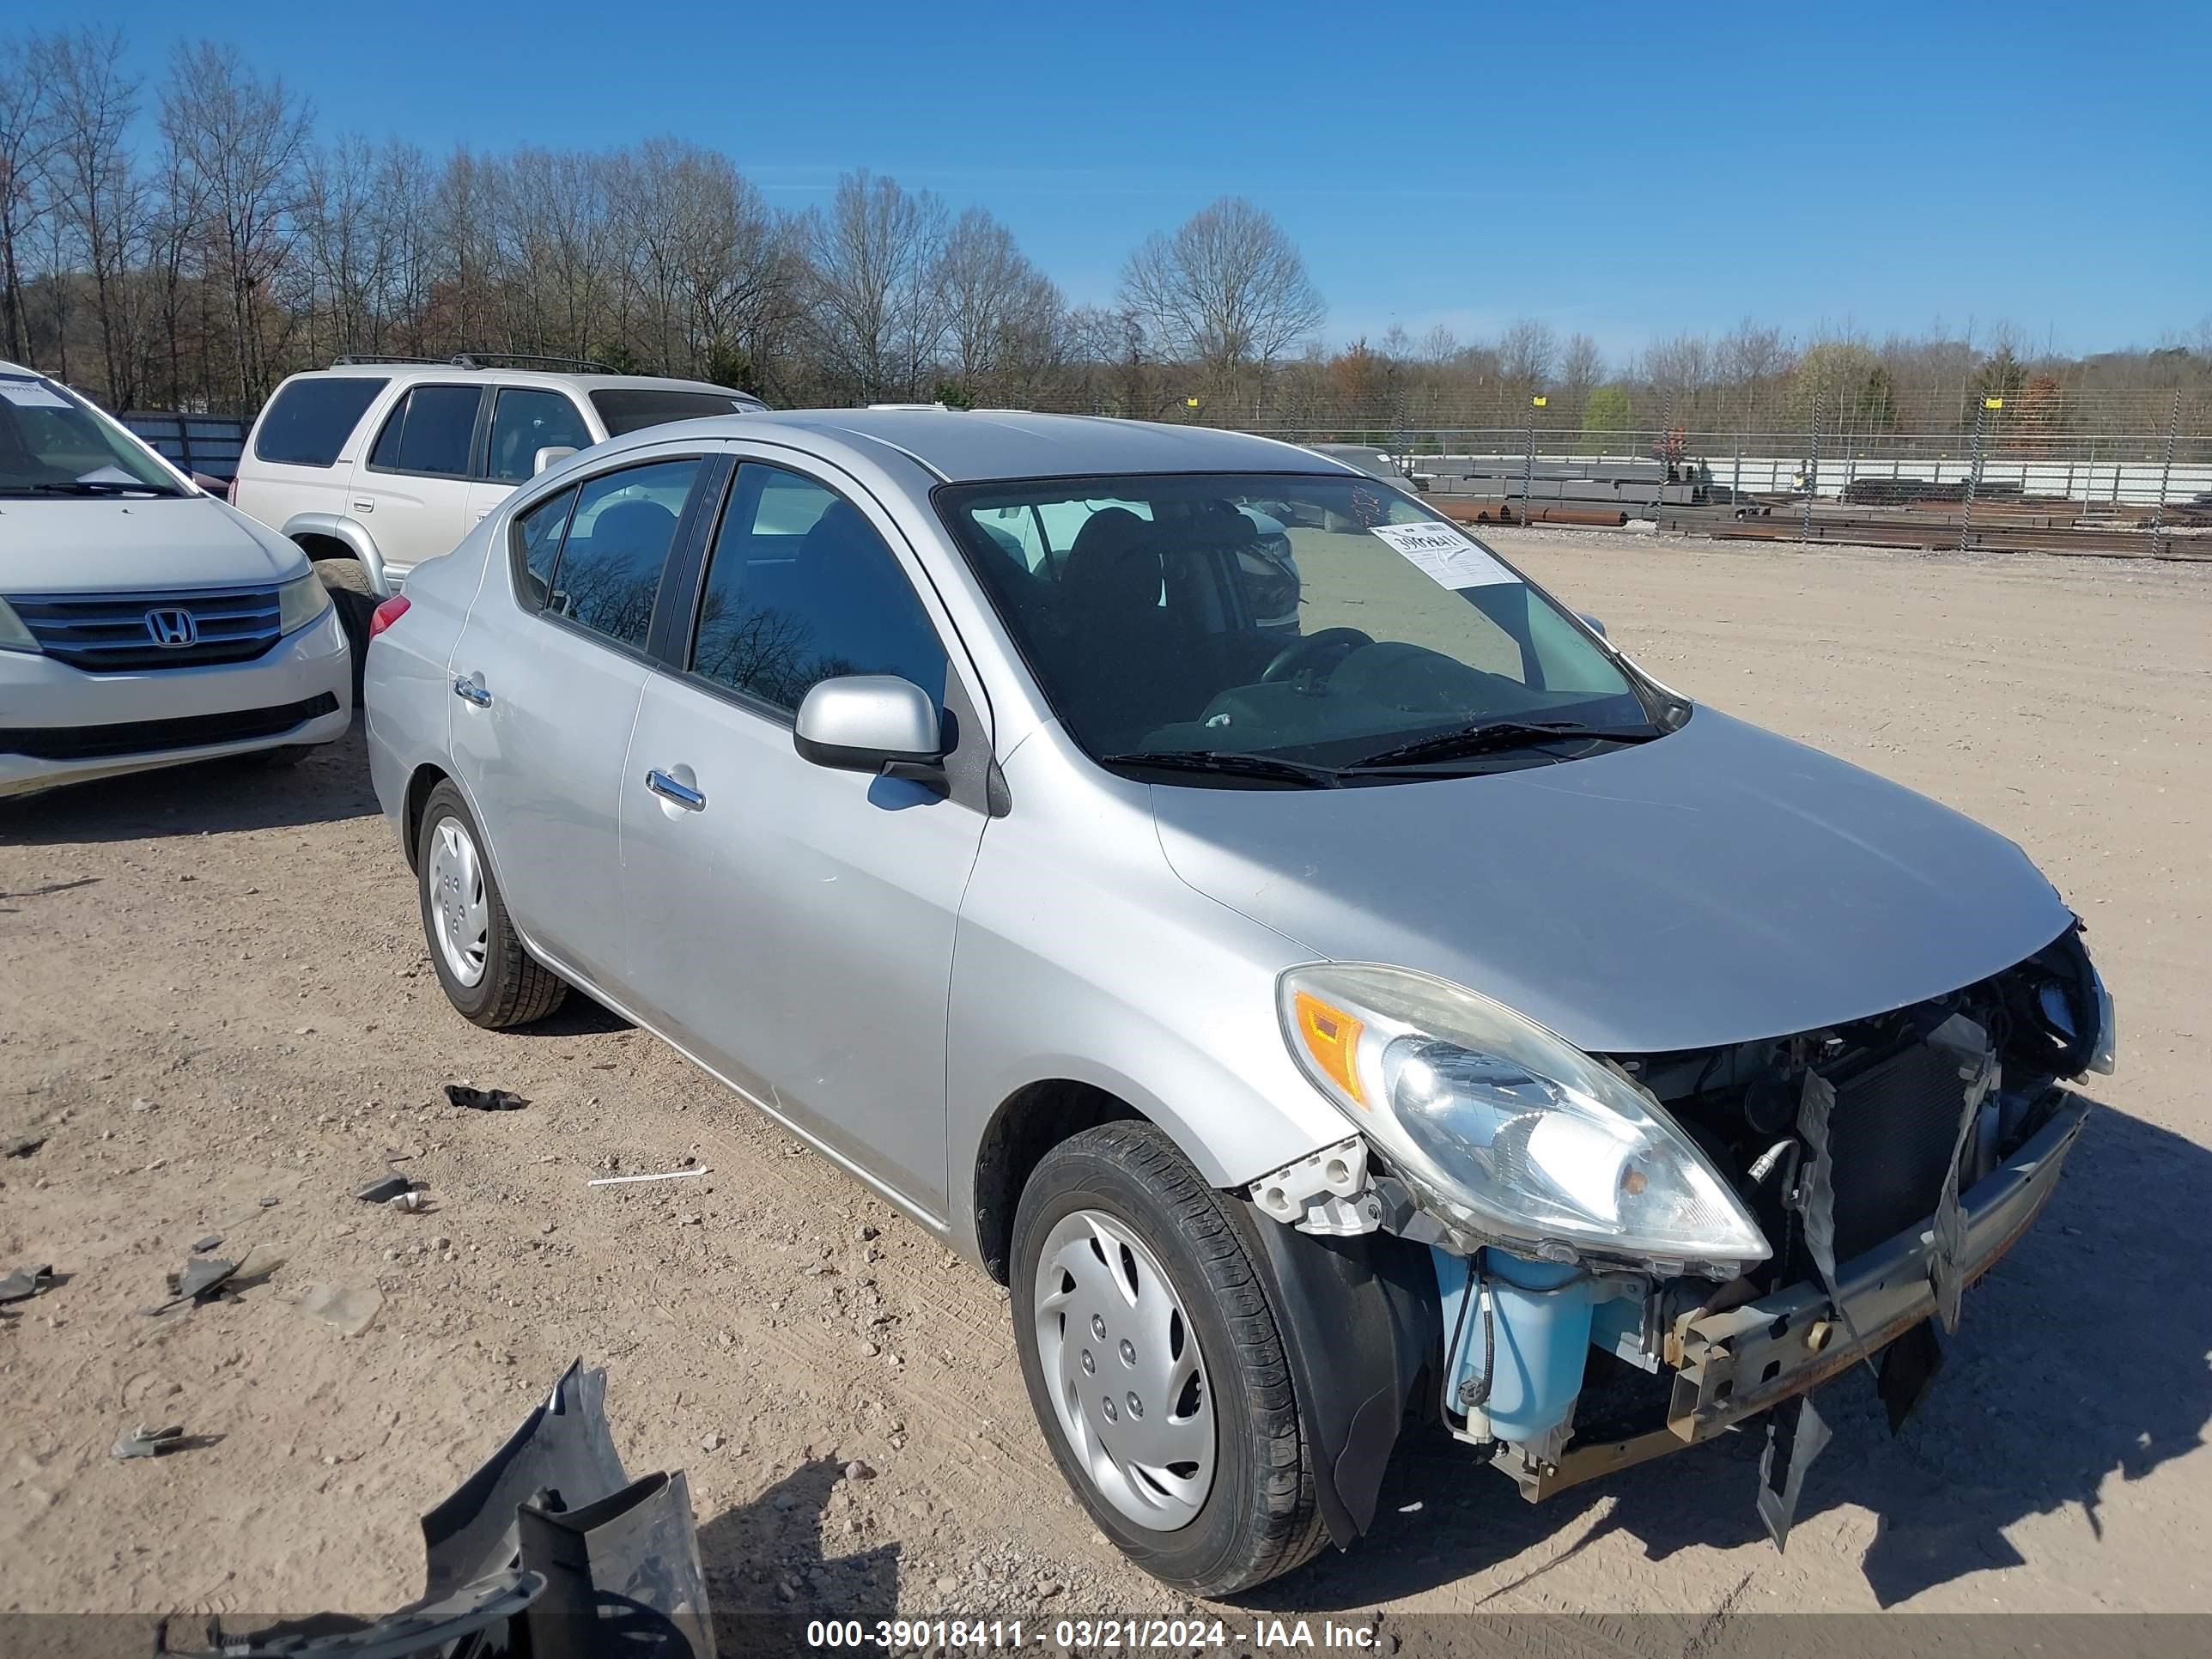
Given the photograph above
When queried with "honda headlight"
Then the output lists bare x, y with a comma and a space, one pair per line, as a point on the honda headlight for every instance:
299, 601
1507, 1131
14, 636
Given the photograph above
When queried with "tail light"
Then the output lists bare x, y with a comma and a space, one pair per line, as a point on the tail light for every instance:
386, 614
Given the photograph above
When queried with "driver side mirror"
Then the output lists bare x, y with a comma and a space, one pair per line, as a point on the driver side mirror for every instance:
870, 723
551, 455
1592, 623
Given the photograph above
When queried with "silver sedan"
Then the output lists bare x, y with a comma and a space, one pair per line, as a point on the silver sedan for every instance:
1319, 974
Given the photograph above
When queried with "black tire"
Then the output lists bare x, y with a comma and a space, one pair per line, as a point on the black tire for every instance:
1260, 1519
515, 988
350, 597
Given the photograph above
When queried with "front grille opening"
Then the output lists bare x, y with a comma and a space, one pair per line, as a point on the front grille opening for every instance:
66, 742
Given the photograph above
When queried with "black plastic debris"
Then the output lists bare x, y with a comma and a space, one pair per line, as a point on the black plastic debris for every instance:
143, 1442
1793, 1444
484, 1100
469, 1621
1909, 1367
383, 1191
622, 1574
548, 1550
202, 1278
22, 1145
563, 1446
25, 1283
206, 1244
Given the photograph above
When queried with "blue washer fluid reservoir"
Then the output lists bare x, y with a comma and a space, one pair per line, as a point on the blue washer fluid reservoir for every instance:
1541, 1312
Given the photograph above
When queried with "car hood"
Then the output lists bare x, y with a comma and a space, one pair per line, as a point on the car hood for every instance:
87, 546
1717, 885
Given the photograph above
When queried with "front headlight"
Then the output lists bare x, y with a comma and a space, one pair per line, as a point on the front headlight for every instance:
299, 601
1508, 1130
14, 636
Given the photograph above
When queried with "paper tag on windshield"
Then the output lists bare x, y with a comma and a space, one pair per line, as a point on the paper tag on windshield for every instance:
1443, 555
29, 394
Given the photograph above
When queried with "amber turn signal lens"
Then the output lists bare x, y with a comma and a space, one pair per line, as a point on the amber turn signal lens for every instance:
1332, 1037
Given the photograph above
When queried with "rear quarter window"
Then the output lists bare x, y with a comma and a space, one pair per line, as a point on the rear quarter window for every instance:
632, 409
308, 421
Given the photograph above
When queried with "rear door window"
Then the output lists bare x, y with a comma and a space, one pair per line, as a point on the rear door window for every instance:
308, 422
526, 420
431, 432
608, 573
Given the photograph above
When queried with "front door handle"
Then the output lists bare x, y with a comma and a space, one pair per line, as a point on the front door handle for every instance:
471, 691
668, 789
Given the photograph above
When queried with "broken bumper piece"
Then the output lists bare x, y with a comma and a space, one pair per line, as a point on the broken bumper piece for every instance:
1732, 1364
548, 1550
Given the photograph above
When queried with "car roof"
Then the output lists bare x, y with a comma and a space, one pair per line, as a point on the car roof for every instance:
974, 446
582, 381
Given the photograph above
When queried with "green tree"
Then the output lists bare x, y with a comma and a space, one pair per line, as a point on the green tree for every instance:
1607, 410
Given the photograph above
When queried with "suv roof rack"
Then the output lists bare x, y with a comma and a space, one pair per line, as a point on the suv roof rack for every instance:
474, 359
478, 359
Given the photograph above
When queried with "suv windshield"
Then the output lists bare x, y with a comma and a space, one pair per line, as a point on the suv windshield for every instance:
1282, 628
632, 409
53, 443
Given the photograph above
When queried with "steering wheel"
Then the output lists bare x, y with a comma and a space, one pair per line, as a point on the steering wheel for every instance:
1299, 654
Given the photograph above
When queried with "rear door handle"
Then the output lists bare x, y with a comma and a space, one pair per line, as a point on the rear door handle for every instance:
668, 789
364, 503
468, 691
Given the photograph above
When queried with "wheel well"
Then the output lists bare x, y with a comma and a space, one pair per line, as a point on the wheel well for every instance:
419, 787
319, 548
1028, 1123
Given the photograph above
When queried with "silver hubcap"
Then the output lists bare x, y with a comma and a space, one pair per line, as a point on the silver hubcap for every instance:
1128, 1382
460, 919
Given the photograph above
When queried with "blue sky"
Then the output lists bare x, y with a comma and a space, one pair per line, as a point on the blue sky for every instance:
1628, 172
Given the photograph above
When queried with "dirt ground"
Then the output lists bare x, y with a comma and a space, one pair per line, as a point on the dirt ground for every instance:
213, 991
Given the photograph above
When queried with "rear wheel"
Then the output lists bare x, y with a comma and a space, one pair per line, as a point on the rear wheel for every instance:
1155, 1365
479, 958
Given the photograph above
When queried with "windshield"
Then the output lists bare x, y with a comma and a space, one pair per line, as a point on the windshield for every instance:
51, 443
1327, 620
632, 409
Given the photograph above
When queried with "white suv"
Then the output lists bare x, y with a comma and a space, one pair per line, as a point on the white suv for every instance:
144, 623
388, 461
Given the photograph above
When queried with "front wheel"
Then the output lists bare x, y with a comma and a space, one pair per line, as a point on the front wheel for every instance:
487, 974
1155, 1365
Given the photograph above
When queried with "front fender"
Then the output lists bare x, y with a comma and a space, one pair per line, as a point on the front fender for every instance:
1081, 958
353, 534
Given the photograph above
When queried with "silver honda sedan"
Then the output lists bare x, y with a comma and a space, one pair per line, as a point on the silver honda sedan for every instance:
1322, 1008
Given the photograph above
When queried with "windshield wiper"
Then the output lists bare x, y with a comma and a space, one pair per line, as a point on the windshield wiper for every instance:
86, 487
1230, 765
1493, 737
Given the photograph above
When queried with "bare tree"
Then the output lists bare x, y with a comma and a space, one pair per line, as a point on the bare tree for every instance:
1581, 367
1003, 316
1226, 290
99, 196
239, 141
28, 135
876, 314
1527, 351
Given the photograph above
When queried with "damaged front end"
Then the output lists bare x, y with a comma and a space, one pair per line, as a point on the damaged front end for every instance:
1705, 1234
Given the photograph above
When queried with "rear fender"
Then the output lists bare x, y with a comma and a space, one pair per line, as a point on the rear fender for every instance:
353, 535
